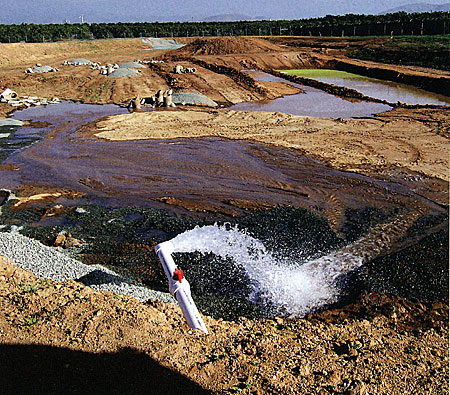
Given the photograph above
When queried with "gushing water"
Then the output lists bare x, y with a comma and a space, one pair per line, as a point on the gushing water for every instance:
286, 286
282, 286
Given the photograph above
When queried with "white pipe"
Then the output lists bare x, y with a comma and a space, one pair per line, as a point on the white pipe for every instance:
179, 286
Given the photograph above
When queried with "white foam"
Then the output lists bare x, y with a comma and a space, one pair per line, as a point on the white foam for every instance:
282, 285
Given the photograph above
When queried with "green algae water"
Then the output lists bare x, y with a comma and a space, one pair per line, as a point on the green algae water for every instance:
392, 92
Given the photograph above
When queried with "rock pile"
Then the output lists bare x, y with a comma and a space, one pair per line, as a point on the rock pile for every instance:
124, 72
193, 99
41, 69
131, 65
162, 43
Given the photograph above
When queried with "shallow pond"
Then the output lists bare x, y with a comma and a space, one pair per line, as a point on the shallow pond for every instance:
313, 102
390, 91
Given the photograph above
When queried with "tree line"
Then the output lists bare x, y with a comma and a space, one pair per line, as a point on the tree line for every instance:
350, 25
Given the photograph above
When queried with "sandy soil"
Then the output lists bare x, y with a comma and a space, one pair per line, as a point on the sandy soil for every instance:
59, 337
402, 139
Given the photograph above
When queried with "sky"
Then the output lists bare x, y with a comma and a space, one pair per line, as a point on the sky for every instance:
57, 11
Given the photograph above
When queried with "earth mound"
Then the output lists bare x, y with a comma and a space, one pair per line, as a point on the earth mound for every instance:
228, 45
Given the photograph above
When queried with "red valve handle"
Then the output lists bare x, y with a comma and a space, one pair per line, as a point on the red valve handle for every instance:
178, 275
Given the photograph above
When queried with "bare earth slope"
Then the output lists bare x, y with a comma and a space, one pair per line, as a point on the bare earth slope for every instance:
65, 337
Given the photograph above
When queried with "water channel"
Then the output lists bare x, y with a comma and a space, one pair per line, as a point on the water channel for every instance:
312, 102
390, 91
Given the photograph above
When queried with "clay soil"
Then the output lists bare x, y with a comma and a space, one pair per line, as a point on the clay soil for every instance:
68, 338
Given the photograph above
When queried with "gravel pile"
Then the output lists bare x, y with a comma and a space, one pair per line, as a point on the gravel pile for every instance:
162, 43
80, 62
132, 65
193, 99
46, 262
42, 69
124, 72
9, 122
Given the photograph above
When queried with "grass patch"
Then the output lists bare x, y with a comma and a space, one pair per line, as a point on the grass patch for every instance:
424, 51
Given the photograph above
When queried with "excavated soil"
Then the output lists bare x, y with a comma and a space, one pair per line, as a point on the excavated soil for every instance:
68, 338
226, 46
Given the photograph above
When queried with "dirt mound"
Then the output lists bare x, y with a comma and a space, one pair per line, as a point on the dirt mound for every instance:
228, 45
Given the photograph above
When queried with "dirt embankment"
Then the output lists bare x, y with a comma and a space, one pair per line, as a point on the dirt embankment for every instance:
227, 46
430, 80
63, 337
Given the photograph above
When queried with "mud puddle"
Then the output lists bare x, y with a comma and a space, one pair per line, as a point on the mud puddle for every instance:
313, 102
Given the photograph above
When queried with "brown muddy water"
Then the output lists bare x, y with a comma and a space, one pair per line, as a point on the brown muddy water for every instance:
312, 102
211, 179
206, 173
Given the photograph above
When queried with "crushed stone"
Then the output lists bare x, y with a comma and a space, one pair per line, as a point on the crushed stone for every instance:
124, 72
192, 98
81, 62
10, 122
162, 43
47, 262
43, 69
131, 65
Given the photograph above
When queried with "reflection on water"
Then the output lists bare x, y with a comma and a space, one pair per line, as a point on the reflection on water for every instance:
372, 87
313, 103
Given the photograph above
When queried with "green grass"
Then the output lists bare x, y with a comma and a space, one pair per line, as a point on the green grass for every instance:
425, 51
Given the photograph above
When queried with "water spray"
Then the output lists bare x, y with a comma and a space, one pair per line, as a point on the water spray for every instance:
179, 287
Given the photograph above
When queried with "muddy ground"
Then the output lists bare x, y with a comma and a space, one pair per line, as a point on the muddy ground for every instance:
73, 339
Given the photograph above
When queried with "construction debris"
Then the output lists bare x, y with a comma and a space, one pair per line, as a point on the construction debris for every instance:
179, 69
11, 97
107, 69
160, 99
149, 61
78, 62
170, 99
7, 95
